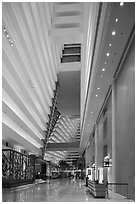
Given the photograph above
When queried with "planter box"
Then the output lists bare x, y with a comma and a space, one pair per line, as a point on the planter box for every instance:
97, 190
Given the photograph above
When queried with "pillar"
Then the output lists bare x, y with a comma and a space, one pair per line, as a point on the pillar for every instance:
96, 152
33, 161
48, 172
114, 135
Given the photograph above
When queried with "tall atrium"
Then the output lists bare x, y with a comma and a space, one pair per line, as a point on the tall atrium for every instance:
68, 101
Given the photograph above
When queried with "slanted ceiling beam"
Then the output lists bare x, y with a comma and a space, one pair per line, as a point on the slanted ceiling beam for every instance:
65, 31
66, 19
71, 146
68, 7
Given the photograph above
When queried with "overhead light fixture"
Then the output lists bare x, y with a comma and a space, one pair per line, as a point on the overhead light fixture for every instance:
103, 71
113, 32
121, 3
107, 54
31, 84
96, 95
93, 166
107, 162
110, 44
98, 88
4, 29
7, 36
116, 19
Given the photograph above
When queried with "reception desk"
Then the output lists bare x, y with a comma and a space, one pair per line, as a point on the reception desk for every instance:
98, 190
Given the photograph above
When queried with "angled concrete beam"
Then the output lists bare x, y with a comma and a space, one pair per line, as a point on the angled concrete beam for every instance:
68, 7
65, 31
66, 19
71, 146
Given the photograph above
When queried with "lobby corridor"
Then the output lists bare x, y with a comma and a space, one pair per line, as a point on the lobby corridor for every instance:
68, 101
65, 190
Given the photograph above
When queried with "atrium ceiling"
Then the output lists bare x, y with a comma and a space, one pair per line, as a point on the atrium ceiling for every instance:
78, 44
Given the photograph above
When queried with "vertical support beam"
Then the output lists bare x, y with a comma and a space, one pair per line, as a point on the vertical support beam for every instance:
114, 134
33, 160
48, 172
96, 152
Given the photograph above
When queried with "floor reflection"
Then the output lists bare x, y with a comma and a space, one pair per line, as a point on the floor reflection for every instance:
63, 190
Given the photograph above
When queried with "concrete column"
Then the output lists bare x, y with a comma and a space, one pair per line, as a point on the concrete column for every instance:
33, 161
48, 172
96, 153
114, 135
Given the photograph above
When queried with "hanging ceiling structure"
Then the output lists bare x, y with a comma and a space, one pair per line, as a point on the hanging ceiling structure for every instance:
79, 44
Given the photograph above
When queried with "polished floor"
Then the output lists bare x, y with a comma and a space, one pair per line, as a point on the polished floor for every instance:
65, 190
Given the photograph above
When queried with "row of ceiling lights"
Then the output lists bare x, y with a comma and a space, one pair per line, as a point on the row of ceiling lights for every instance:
107, 54
8, 36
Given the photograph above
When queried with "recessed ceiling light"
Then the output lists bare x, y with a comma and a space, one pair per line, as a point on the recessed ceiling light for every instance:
4, 29
110, 44
98, 88
113, 32
103, 69
116, 19
96, 95
121, 3
107, 54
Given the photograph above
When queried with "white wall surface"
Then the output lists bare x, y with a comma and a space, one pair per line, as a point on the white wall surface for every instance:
125, 117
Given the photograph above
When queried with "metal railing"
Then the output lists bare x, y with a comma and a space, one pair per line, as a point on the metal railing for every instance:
17, 167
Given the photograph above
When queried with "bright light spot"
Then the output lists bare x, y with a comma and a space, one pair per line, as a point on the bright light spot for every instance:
113, 32
103, 71
107, 54
98, 88
116, 19
121, 3
96, 95
110, 44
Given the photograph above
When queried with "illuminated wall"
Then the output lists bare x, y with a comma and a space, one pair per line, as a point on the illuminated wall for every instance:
125, 117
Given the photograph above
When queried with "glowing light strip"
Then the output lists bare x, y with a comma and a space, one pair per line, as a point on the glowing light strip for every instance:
61, 133
59, 136
27, 37
17, 90
10, 103
15, 63
11, 124
18, 42
36, 17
